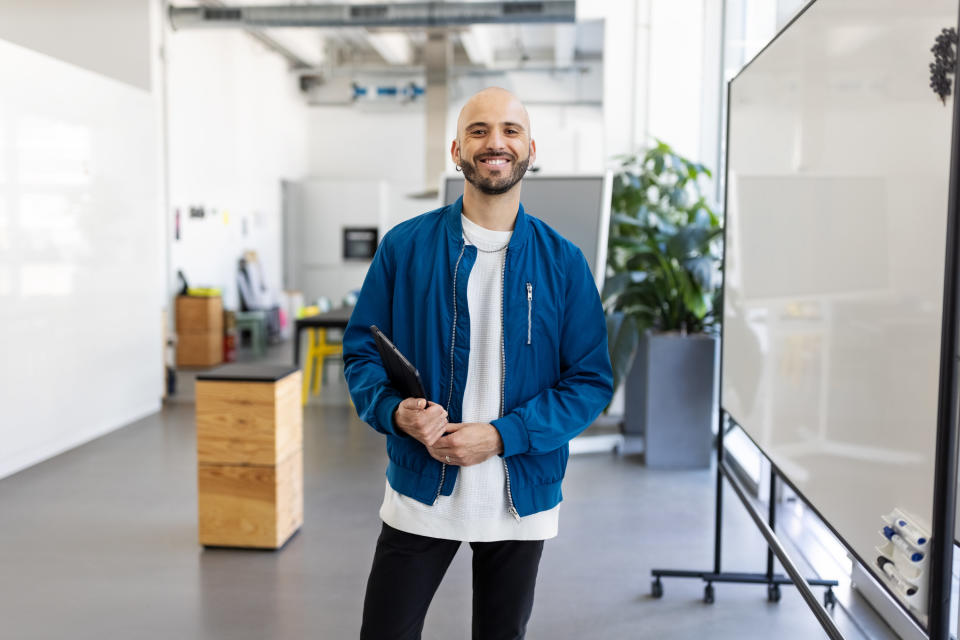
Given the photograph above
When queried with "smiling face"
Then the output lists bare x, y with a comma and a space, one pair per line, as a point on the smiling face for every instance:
493, 144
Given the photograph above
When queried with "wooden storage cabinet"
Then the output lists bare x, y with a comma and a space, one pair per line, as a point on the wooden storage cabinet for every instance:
199, 349
249, 455
199, 331
250, 505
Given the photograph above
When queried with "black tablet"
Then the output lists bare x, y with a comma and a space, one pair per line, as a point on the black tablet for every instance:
404, 377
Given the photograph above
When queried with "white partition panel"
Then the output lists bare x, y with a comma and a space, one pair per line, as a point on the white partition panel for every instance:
837, 203
80, 256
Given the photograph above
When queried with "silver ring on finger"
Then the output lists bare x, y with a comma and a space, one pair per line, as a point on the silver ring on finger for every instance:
447, 458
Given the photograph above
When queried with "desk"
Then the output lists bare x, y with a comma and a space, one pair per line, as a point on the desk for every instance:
335, 319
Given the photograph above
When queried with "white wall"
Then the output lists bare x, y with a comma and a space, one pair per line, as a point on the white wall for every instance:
382, 142
237, 128
80, 239
316, 213
625, 70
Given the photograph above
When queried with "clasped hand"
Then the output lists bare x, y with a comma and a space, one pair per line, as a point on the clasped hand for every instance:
451, 443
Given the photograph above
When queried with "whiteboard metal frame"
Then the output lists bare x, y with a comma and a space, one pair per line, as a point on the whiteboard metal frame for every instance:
945, 465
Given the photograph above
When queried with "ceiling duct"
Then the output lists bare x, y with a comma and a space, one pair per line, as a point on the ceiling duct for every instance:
399, 15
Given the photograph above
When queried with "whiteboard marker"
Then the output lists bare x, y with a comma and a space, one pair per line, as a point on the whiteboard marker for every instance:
891, 571
910, 533
902, 544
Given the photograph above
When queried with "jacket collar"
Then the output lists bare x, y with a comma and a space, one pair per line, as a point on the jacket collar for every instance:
521, 228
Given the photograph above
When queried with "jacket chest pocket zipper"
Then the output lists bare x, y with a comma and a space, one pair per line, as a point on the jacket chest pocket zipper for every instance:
529, 311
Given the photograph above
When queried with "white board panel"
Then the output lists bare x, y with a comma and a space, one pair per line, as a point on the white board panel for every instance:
837, 202
80, 256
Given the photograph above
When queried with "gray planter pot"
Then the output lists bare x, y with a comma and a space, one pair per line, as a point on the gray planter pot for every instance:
669, 399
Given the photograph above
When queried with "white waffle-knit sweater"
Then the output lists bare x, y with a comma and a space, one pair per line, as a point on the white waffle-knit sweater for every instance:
478, 509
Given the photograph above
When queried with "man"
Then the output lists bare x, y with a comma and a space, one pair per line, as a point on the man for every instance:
501, 316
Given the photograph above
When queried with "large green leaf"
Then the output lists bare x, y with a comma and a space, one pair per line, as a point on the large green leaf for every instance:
642, 259
633, 221
618, 283
689, 240
630, 242
693, 296
701, 269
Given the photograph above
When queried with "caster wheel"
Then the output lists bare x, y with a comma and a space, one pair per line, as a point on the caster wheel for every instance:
656, 589
773, 593
708, 594
829, 599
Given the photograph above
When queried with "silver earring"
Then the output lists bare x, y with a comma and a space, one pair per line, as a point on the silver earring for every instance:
459, 168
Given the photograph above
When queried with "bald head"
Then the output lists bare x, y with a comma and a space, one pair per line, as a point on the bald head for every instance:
490, 101
493, 146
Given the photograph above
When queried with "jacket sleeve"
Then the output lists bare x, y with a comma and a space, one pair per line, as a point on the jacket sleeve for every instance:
374, 399
555, 415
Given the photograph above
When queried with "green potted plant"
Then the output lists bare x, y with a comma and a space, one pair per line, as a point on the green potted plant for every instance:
662, 299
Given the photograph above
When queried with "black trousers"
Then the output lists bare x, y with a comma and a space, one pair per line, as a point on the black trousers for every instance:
407, 569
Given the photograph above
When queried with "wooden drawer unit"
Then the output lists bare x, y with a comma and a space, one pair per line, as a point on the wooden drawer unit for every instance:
249, 455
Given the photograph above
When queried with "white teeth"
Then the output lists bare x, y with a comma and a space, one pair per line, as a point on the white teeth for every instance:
495, 161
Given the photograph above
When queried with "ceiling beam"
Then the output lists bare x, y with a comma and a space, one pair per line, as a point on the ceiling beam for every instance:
396, 15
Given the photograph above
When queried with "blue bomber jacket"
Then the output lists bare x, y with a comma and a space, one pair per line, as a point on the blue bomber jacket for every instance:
556, 369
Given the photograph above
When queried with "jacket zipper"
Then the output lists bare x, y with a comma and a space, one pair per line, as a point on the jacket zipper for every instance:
529, 310
453, 340
503, 368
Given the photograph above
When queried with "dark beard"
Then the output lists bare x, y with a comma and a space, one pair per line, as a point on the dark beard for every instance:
495, 186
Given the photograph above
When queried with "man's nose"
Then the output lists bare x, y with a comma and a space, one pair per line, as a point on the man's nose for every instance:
495, 141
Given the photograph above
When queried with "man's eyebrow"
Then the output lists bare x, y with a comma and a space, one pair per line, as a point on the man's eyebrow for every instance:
515, 125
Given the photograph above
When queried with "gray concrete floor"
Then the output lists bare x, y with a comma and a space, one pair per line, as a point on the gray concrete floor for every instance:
100, 543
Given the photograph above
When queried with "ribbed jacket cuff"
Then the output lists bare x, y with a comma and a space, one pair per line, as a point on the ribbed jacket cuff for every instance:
513, 434
384, 412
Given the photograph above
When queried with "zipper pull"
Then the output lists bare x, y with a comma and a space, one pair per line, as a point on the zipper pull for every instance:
529, 311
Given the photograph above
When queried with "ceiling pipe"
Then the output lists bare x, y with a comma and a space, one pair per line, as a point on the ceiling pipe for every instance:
396, 15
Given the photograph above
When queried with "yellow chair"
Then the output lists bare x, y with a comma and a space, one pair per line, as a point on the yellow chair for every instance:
318, 350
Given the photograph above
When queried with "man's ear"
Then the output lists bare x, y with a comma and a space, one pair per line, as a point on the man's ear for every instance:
455, 151
533, 151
